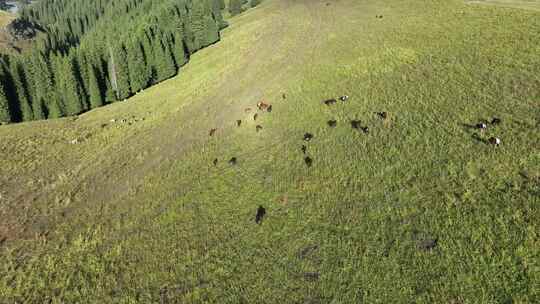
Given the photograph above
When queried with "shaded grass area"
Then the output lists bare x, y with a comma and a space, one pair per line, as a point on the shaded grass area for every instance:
415, 211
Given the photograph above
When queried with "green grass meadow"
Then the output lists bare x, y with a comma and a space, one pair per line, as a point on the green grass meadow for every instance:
135, 212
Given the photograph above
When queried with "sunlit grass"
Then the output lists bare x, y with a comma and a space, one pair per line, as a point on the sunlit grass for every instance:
150, 219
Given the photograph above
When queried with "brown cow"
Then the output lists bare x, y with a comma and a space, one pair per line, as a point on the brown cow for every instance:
262, 105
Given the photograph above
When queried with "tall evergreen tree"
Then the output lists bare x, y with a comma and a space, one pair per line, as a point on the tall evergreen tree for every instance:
21, 89
5, 116
217, 6
180, 50
198, 25
94, 89
235, 7
118, 69
70, 88
40, 83
139, 74
164, 62
212, 31
81, 62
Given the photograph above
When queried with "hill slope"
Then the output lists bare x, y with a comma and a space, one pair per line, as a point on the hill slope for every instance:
10, 42
129, 207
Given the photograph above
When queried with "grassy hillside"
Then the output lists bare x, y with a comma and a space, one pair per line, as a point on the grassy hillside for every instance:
8, 43
5, 37
128, 208
5, 18
523, 4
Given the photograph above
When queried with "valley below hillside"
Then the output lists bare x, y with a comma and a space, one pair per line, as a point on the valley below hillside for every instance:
335, 151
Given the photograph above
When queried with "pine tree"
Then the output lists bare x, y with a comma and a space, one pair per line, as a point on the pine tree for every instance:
55, 109
148, 50
163, 60
180, 50
217, 6
187, 32
94, 90
212, 31
70, 87
21, 89
198, 24
5, 116
118, 69
39, 82
81, 62
8, 83
235, 7
45, 86
139, 75
110, 93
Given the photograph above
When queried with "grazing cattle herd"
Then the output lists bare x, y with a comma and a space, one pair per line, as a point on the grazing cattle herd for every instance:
355, 124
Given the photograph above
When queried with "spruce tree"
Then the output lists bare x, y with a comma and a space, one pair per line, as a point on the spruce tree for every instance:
148, 50
40, 83
198, 24
94, 90
8, 83
110, 93
71, 88
5, 116
45, 86
179, 50
163, 60
21, 89
235, 7
81, 62
212, 31
187, 31
254, 3
217, 6
118, 69
139, 75
55, 108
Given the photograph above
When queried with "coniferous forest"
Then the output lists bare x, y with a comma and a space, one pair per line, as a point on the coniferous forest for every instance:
96, 52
